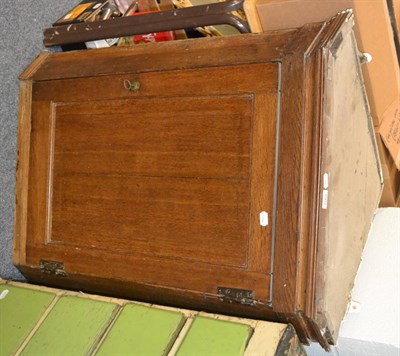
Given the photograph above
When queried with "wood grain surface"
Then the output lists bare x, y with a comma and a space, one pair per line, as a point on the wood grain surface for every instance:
163, 178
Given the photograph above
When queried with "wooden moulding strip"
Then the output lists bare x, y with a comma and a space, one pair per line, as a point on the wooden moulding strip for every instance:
34, 66
192, 54
22, 173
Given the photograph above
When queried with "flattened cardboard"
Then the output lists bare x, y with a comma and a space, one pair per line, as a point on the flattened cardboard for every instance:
391, 177
393, 7
390, 131
390, 127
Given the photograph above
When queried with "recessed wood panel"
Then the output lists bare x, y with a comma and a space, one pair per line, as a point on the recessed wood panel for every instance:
137, 177
155, 137
195, 219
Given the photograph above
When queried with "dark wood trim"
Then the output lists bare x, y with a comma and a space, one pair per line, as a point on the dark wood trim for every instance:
289, 344
319, 335
34, 66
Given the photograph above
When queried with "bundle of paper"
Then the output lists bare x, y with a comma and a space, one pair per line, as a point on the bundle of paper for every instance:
137, 7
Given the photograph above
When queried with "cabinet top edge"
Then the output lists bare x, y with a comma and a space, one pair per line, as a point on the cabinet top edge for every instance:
182, 54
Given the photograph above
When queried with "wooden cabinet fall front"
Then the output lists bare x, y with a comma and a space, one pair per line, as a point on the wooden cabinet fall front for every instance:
158, 184
192, 173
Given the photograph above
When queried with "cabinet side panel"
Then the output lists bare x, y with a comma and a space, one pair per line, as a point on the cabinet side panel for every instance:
295, 110
350, 183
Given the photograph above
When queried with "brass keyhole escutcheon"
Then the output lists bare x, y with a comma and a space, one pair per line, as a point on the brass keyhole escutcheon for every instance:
132, 85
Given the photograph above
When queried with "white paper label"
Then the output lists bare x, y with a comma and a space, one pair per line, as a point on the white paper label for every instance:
3, 294
326, 180
263, 218
325, 199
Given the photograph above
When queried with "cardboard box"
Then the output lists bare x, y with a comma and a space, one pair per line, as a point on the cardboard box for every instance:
374, 35
390, 133
390, 126
391, 177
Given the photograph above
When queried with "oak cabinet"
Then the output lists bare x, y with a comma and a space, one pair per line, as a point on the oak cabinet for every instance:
235, 174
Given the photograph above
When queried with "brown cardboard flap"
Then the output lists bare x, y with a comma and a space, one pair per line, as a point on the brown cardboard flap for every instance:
391, 177
390, 131
373, 33
396, 7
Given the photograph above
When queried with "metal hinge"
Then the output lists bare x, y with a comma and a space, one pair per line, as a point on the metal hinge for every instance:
52, 267
234, 295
